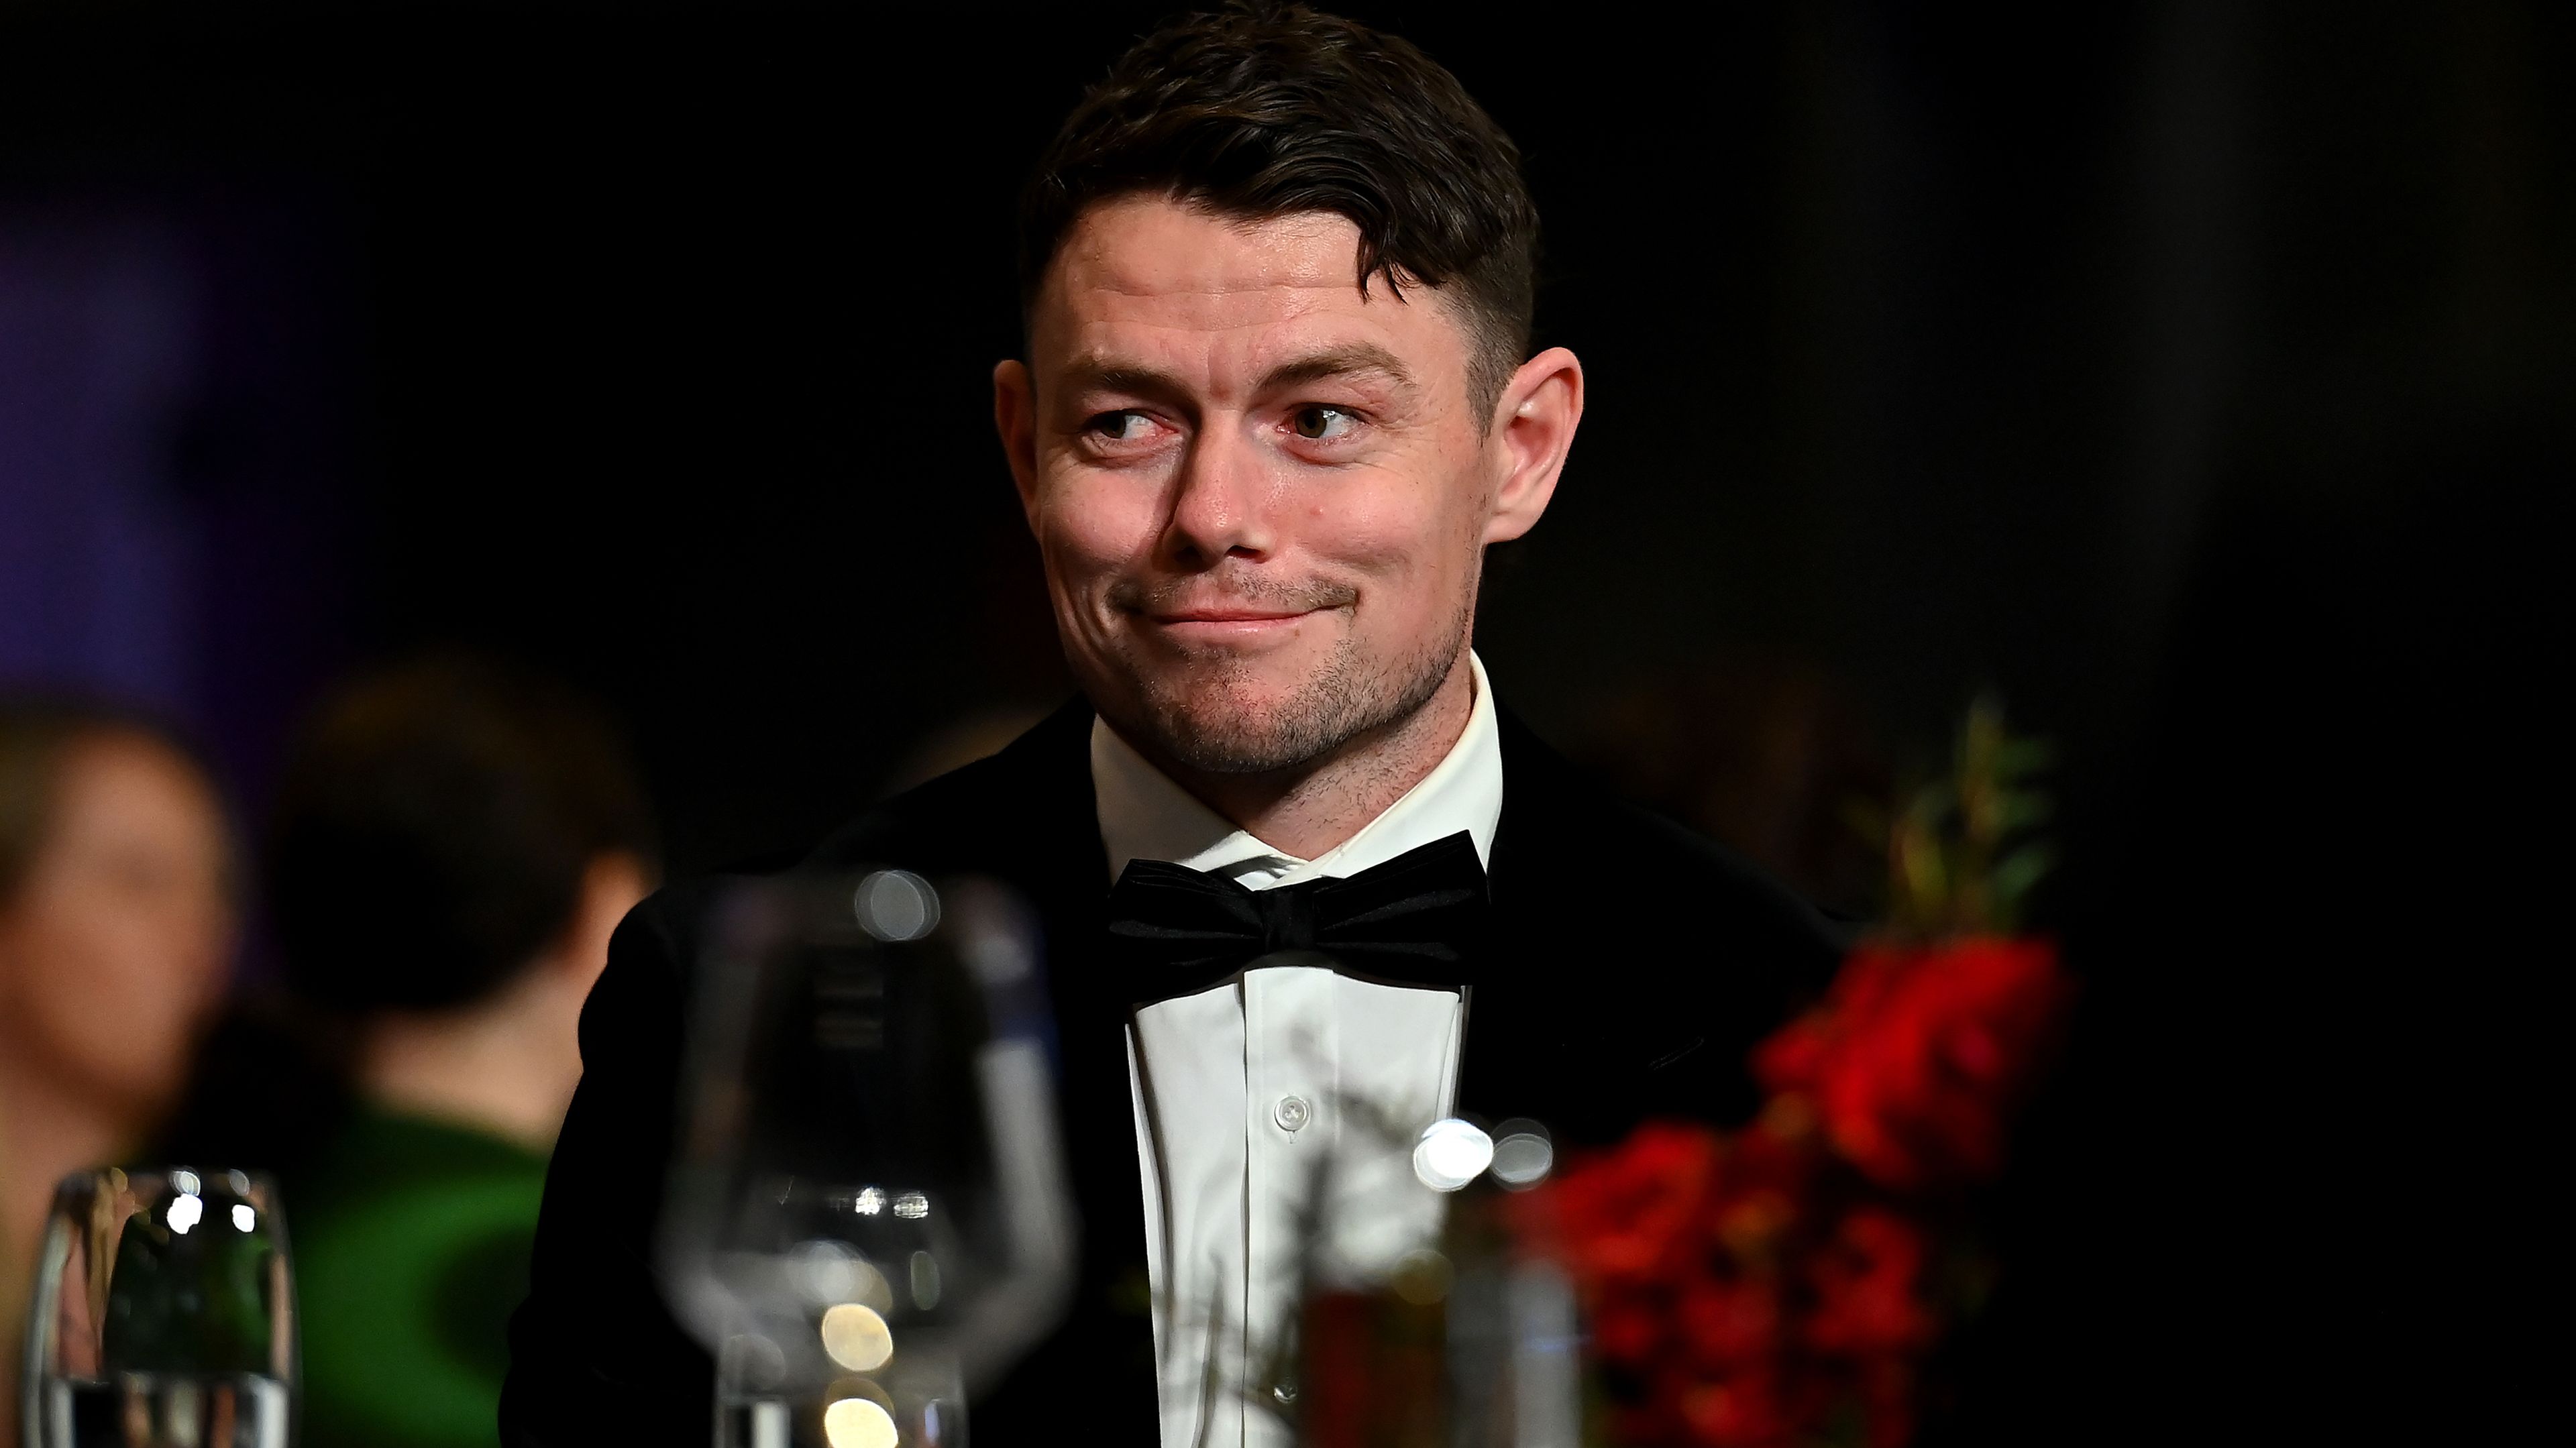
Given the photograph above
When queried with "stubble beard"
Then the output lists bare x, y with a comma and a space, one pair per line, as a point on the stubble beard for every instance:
1208, 718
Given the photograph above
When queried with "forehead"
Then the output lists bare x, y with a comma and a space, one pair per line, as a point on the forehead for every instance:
1153, 275
118, 779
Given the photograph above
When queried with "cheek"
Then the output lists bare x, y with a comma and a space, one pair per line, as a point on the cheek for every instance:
1407, 537
155, 955
117, 991
1090, 528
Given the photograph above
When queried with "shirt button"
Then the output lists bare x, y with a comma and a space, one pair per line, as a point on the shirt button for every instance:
1292, 1113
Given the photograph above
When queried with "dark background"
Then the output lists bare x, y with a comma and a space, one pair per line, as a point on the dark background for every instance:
2197, 374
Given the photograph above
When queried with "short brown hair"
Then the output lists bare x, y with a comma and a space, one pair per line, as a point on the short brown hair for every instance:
430, 836
1258, 111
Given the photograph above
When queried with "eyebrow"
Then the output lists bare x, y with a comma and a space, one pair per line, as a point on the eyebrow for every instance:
1353, 359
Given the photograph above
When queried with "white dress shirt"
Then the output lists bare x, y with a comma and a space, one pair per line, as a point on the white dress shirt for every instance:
1244, 1092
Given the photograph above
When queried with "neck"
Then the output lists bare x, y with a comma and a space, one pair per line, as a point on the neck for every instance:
507, 1065
1311, 807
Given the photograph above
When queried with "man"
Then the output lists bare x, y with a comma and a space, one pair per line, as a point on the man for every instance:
1277, 399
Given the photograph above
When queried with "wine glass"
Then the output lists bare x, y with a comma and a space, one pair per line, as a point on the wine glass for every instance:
163, 1315
866, 1219
1434, 1315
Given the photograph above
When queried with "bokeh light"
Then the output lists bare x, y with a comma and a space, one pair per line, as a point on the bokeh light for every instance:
1523, 1154
896, 905
857, 1337
858, 1423
1451, 1154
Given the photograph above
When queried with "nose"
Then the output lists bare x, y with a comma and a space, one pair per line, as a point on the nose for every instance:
1217, 503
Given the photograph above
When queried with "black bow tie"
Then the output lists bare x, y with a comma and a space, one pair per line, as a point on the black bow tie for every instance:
1418, 919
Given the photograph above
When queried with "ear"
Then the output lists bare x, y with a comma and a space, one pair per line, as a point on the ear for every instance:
1015, 417
610, 887
1534, 423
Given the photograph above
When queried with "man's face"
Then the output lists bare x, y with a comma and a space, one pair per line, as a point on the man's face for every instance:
1262, 497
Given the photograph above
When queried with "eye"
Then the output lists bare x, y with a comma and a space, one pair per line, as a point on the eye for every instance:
1322, 424
1123, 426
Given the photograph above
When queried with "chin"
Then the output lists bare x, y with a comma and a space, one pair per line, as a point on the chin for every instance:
1237, 721
1259, 711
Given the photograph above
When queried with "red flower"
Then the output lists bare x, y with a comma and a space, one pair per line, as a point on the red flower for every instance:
1916, 1054
1753, 1289
1627, 1329
1637, 1213
1865, 1278
1728, 1321
1745, 1410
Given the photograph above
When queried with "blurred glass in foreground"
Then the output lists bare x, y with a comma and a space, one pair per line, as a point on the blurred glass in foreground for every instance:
1464, 1337
163, 1315
867, 1220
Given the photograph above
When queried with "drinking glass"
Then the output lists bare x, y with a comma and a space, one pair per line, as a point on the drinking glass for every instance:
163, 1314
1463, 1335
866, 1220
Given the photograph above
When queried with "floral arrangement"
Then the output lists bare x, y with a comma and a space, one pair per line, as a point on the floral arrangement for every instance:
1785, 1283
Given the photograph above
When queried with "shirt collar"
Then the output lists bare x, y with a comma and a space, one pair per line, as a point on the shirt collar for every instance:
1145, 816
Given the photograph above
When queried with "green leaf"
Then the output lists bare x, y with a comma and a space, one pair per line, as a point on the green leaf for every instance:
2019, 809
2020, 870
1927, 874
2017, 757
1930, 803
1944, 837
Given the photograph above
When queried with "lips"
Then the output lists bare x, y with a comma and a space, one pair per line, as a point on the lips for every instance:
1228, 627
1227, 613
1231, 615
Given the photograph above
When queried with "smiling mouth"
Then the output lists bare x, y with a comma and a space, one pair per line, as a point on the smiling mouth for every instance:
1228, 628
1224, 627
1251, 613
1231, 616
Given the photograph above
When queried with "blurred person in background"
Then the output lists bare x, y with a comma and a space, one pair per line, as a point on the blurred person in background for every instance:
451, 846
116, 927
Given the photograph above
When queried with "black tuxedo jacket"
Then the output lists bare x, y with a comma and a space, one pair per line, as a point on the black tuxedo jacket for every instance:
1632, 965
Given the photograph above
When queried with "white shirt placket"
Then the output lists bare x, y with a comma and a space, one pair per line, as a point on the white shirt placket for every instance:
1292, 1120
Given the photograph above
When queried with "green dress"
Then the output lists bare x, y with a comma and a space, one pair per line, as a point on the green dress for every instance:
411, 1240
